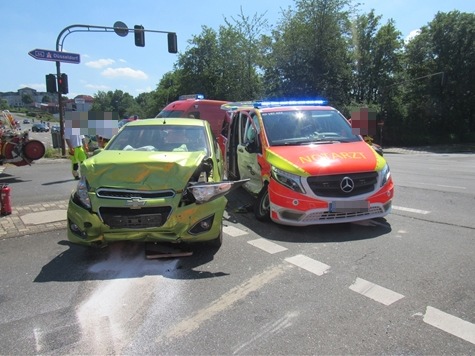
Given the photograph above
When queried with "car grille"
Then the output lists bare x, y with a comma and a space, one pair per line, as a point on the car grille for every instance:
129, 194
126, 218
329, 186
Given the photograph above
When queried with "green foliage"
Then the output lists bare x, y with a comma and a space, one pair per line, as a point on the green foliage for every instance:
424, 89
4, 105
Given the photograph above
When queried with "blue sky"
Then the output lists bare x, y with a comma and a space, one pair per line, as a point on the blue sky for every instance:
109, 62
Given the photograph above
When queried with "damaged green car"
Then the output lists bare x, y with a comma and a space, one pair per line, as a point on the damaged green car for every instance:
158, 180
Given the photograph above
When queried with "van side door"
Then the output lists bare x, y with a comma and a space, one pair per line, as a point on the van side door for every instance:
248, 151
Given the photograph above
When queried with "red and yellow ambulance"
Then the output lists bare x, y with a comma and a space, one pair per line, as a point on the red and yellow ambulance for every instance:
305, 164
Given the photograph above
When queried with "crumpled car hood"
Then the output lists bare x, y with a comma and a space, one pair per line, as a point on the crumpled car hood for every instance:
141, 170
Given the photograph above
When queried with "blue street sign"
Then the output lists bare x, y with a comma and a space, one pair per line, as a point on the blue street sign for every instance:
55, 56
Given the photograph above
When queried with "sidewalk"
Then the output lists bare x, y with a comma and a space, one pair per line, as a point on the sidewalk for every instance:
35, 218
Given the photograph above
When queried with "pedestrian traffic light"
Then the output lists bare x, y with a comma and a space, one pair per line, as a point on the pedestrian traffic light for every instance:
139, 35
51, 83
63, 84
172, 43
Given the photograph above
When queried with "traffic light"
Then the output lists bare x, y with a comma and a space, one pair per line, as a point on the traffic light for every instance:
51, 83
172, 43
63, 84
139, 35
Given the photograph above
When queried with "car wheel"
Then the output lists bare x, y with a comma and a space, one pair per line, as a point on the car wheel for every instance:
262, 205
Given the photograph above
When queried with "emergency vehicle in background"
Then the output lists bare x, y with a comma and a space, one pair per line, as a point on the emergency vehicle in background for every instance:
15, 145
196, 106
304, 163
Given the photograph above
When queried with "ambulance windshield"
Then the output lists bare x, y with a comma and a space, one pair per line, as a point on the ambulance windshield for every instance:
306, 127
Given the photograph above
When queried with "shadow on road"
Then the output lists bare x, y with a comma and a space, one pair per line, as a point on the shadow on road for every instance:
123, 260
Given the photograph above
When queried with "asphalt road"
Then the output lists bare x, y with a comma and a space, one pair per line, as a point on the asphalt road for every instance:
401, 285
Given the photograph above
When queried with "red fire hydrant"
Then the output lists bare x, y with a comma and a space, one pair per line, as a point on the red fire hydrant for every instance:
5, 200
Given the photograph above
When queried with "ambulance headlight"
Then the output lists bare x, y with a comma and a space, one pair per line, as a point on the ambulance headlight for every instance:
82, 193
385, 174
289, 180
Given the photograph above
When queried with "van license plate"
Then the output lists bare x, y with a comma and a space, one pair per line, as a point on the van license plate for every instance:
352, 206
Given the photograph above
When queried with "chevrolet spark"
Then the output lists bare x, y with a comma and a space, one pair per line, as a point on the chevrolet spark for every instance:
158, 180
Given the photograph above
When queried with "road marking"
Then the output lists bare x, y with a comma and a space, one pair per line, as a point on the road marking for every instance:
189, 325
309, 264
417, 211
267, 246
233, 231
451, 324
380, 294
443, 185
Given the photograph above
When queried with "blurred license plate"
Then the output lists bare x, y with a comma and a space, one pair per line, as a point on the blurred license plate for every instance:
353, 206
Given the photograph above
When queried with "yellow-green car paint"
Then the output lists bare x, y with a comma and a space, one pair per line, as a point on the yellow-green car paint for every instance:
159, 179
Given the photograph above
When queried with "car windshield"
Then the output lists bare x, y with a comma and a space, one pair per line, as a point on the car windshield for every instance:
168, 138
306, 127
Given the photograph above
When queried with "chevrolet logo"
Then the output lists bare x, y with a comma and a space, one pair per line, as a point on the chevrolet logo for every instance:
135, 203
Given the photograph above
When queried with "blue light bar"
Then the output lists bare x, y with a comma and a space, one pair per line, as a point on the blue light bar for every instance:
258, 104
191, 96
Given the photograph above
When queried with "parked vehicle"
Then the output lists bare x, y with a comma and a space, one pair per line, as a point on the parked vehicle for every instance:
39, 127
157, 180
196, 106
26, 121
304, 164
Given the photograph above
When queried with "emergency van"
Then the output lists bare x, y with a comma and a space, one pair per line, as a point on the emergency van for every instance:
196, 106
305, 164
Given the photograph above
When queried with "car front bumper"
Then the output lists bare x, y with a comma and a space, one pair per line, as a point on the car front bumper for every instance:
294, 209
189, 224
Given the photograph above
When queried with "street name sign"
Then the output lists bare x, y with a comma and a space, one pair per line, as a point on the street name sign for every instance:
55, 56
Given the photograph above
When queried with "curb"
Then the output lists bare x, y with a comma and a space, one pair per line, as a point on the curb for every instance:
35, 218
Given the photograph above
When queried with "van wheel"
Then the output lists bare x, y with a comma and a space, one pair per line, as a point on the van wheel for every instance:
262, 205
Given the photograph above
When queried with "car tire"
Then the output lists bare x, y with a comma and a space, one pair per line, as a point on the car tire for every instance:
262, 205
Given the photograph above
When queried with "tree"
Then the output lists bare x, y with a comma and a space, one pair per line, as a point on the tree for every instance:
441, 94
26, 99
310, 51
4, 105
117, 101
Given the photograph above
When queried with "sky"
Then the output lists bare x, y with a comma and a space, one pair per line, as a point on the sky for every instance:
108, 62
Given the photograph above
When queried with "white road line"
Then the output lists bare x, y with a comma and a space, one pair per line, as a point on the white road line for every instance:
309, 264
380, 294
444, 186
417, 211
451, 324
233, 231
267, 245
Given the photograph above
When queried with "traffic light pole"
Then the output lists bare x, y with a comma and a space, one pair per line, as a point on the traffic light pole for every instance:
121, 30
61, 111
